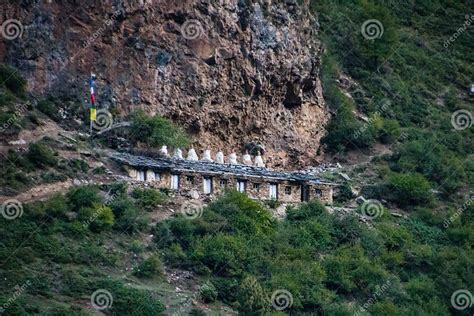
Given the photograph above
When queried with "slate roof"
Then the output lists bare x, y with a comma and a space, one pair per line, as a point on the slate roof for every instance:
205, 167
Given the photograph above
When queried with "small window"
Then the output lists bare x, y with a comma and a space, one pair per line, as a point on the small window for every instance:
241, 185
288, 190
141, 175
273, 191
190, 179
207, 185
256, 187
174, 182
318, 192
223, 183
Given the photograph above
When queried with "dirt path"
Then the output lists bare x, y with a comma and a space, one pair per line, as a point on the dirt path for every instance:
40, 192
47, 128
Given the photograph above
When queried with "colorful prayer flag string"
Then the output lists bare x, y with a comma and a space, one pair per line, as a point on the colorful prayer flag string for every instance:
93, 110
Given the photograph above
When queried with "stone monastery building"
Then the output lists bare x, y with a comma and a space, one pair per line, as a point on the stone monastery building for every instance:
209, 177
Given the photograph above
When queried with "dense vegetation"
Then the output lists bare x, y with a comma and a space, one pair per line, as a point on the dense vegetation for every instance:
73, 245
407, 82
70, 246
326, 262
156, 131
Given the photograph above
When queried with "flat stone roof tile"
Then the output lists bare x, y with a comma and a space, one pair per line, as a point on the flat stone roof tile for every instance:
182, 165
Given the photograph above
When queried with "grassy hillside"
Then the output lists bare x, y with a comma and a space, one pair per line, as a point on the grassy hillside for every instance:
410, 79
89, 240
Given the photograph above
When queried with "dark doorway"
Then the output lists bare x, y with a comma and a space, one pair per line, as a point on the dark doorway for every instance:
304, 193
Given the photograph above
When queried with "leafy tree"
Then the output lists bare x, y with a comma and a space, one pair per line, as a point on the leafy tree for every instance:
156, 131
252, 298
208, 292
83, 196
409, 188
150, 267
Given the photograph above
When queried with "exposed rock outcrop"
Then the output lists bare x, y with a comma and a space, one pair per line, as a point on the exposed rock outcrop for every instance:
232, 72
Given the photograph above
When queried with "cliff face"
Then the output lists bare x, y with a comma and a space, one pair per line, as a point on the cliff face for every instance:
231, 72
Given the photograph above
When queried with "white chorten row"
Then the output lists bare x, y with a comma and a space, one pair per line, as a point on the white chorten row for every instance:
232, 159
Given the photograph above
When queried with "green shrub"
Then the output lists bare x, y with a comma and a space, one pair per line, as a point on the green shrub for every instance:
149, 268
306, 211
11, 79
83, 197
137, 246
7, 99
148, 198
130, 301
56, 206
409, 188
51, 177
345, 193
273, 203
41, 155
49, 108
197, 312
77, 166
242, 214
66, 311
176, 256
98, 217
208, 292
345, 132
156, 131
128, 217
390, 131
252, 299
118, 188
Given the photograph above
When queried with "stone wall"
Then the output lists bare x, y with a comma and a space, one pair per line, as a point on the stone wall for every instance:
323, 192
256, 188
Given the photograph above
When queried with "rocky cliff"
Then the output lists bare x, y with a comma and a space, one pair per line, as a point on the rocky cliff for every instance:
231, 72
